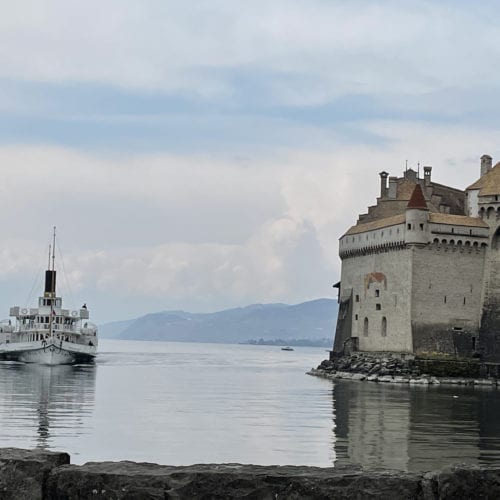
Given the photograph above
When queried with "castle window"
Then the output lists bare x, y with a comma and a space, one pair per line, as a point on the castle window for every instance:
464, 301
383, 331
445, 299
397, 230
365, 327
409, 226
473, 343
452, 229
421, 227
356, 317
357, 298
436, 241
378, 307
377, 293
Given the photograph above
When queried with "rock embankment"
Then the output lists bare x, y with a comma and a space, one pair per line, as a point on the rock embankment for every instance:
413, 370
43, 475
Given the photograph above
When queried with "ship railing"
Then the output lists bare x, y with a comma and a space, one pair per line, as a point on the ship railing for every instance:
55, 328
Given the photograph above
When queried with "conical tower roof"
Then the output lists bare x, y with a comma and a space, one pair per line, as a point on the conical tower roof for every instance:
417, 199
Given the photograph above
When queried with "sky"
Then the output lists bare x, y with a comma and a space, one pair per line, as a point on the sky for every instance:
203, 155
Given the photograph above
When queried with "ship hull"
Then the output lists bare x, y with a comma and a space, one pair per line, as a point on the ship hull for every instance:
50, 354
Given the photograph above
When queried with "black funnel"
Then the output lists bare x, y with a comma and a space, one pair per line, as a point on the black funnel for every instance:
50, 282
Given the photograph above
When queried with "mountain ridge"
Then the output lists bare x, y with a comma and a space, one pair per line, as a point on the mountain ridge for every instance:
310, 322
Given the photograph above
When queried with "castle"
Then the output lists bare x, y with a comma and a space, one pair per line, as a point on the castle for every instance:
421, 269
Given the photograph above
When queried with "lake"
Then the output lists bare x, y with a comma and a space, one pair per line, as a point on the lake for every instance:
185, 403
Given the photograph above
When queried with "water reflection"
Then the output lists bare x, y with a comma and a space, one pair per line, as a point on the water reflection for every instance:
42, 405
415, 428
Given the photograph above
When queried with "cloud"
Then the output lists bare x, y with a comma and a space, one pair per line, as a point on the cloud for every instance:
167, 231
332, 48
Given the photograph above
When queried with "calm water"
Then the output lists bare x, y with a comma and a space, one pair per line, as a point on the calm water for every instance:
176, 403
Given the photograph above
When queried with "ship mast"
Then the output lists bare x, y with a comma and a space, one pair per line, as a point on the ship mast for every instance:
54, 250
50, 282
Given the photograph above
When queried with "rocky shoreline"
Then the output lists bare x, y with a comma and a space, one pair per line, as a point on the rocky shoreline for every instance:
389, 368
43, 475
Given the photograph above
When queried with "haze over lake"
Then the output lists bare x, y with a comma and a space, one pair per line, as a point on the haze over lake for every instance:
185, 403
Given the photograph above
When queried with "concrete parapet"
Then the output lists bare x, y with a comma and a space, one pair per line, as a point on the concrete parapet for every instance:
24, 473
36, 474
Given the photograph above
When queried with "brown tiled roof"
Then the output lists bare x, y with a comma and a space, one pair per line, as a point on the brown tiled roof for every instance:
489, 183
377, 224
405, 190
417, 199
456, 220
434, 217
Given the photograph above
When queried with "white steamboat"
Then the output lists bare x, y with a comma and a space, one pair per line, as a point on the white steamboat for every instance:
48, 334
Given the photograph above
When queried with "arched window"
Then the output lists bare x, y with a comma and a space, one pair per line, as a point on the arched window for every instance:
365, 327
436, 241
459, 242
443, 242
383, 331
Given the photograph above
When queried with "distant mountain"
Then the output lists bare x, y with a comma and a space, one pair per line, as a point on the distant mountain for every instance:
113, 330
310, 323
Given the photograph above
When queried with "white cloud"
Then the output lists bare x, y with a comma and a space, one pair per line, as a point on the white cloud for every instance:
119, 218
333, 48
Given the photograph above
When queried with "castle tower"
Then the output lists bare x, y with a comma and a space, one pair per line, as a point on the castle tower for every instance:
417, 218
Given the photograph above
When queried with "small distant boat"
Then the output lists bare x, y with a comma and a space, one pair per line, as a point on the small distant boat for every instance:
287, 348
48, 334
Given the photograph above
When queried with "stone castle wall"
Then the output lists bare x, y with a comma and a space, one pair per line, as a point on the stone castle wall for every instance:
381, 288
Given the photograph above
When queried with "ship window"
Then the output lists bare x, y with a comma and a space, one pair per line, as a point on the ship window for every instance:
384, 327
378, 307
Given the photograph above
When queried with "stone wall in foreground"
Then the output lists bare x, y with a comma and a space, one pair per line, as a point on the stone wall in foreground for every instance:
36, 474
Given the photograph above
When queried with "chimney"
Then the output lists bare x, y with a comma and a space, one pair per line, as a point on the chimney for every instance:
486, 163
393, 187
427, 176
383, 183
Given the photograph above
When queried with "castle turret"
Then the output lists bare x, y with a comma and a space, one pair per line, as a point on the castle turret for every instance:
417, 218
